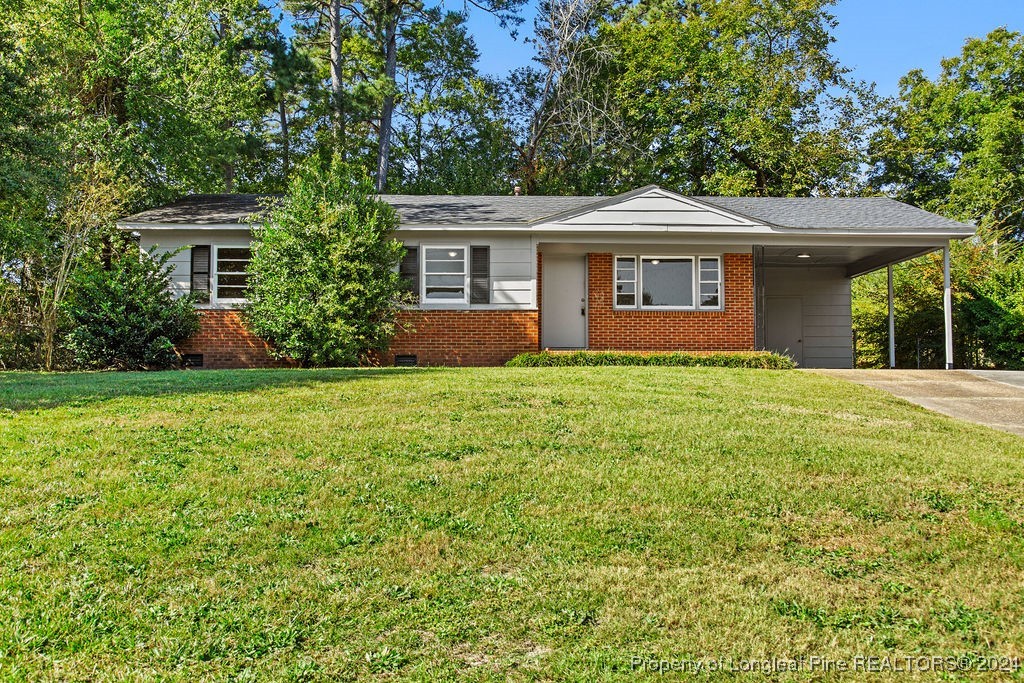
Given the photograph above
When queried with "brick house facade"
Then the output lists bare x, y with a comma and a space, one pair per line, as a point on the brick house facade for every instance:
491, 337
224, 342
730, 329
647, 270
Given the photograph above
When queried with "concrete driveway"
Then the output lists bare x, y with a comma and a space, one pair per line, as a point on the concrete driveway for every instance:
994, 398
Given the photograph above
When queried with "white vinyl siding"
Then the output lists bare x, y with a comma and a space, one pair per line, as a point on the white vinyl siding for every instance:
512, 269
158, 241
513, 261
654, 208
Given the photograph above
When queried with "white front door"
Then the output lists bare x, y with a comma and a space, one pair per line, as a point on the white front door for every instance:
564, 302
784, 326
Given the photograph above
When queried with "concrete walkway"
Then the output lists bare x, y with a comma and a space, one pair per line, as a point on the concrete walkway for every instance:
994, 398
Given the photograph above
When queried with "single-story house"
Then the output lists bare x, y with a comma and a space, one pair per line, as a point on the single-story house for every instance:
648, 270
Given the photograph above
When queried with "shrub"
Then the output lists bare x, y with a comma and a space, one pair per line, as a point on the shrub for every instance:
125, 316
760, 359
324, 287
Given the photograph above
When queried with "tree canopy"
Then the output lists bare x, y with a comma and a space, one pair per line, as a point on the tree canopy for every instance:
109, 107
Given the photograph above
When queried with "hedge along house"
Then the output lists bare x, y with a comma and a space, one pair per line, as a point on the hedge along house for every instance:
648, 270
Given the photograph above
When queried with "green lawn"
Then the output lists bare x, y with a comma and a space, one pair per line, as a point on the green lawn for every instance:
480, 524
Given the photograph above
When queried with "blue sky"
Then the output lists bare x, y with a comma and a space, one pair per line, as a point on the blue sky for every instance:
880, 40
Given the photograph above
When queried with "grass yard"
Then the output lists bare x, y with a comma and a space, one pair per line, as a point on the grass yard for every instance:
480, 524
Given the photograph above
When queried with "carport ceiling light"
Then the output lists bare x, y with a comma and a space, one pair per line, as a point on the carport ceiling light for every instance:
803, 254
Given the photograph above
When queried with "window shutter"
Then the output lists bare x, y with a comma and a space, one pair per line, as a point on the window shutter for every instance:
409, 269
201, 271
480, 275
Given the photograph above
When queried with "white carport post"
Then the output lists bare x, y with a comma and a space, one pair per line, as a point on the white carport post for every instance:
947, 306
892, 323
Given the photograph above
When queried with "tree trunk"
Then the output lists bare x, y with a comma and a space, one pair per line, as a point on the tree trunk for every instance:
228, 165
388, 109
337, 94
282, 112
48, 323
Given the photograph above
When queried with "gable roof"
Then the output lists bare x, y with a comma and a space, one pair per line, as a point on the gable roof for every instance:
856, 214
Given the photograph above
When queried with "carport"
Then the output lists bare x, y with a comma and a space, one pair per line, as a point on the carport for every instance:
802, 275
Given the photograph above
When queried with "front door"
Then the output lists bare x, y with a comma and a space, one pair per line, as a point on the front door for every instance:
564, 302
784, 326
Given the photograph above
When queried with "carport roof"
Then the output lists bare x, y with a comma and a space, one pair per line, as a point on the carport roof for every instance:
834, 213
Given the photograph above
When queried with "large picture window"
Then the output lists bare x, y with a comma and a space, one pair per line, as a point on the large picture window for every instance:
444, 275
230, 273
668, 282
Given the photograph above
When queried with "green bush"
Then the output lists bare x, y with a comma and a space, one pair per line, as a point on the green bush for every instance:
125, 317
760, 359
324, 287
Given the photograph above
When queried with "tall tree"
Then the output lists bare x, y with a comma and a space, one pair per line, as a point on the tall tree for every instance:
449, 135
144, 100
561, 103
723, 96
955, 144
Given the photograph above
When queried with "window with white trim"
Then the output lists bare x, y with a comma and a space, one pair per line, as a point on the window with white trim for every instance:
668, 282
445, 275
230, 272
710, 282
625, 281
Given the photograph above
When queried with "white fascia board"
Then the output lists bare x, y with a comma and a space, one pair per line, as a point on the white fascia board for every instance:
746, 241
650, 228
187, 226
764, 230
464, 227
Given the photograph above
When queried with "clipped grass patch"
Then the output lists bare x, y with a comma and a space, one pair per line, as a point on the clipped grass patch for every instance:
484, 524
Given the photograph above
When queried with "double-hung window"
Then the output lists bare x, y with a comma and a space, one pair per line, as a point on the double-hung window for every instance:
668, 282
445, 275
230, 276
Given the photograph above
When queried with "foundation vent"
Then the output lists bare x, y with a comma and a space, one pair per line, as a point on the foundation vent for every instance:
192, 360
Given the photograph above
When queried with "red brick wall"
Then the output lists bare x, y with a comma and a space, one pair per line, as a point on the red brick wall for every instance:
491, 337
465, 337
731, 329
226, 343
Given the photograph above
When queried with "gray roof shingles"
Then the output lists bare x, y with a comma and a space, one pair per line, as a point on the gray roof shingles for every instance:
205, 209
853, 213
833, 213
226, 209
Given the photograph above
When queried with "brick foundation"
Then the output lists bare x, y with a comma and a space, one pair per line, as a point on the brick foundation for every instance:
226, 343
731, 329
464, 337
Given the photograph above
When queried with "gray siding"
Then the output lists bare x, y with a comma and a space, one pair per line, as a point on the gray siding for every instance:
827, 323
513, 260
154, 241
513, 265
